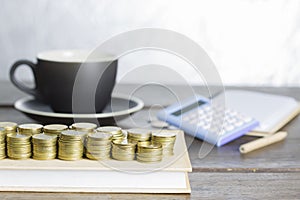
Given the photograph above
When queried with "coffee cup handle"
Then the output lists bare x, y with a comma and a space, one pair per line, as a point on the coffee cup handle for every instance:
17, 83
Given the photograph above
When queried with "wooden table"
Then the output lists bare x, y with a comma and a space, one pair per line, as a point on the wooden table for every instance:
268, 173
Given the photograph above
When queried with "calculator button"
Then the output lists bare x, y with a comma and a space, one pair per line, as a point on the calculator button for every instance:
238, 124
186, 119
226, 117
200, 111
226, 122
233, 113
229, 128
220, 116
239, 118
208, 119
232, 120
206, 127
215, 134
222, 132
207, 108
189, 115
214, 129
248, 119
193, 115
221, 109
227, 112
194, 121
201, 117
209, 112
201, 123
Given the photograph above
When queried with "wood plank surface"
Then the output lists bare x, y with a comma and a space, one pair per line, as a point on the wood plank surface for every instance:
268, 173
283, 156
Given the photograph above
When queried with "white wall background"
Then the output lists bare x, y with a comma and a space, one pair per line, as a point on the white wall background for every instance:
252, 42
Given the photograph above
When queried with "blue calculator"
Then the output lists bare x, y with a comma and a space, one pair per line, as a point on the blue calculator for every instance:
214, 124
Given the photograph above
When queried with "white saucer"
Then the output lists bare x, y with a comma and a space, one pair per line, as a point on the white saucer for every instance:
120, 107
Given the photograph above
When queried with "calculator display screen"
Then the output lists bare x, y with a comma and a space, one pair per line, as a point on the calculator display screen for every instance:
188, 108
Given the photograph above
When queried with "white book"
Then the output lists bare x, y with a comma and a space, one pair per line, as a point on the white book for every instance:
272, 111
168, 176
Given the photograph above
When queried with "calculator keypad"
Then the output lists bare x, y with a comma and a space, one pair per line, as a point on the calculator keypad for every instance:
210, 122
202, 118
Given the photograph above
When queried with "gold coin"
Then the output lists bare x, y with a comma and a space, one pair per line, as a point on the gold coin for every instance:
123, 158
2, 143
124, 133
150, 160
18, 146
44, 146
114, 130
9, 126
122, 153
18, 137
124, 143
149, 145
55, 128
97, 157
19, 157
123, 150
73, 133
99, 136
29, 128
83, 126
98, 145
144, 150
137, 134
44, 151
61, 157
167, 139
43, 138
163, 134
99, 148
43, 158
149, 152
70, 145
2, 131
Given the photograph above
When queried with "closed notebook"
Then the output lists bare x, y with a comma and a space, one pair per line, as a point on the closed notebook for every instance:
168, 176
272, 111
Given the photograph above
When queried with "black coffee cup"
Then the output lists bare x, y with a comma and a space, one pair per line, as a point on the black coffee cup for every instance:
57, 72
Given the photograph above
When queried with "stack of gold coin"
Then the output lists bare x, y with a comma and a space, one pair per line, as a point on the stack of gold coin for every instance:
54, 129
2, 143
10, 127
138, 135
30, 129
149, 152
44, 146
18, 146
167, 138
124, 134
123, 150
115, 131
84, 127
98, 145
70, 145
